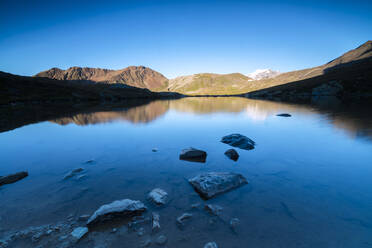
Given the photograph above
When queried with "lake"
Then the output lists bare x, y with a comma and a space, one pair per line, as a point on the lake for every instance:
309, 174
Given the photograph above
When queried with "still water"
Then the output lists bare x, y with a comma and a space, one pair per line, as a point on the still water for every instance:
310, 175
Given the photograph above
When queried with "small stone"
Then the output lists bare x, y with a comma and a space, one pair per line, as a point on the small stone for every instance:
193, 155
158, 196
234, 222
155, 222
161, 240
145, 243
79, 232
73, 173
195, 205
181, 219
90, 161
211, 245
154, 149
284, 115
213, 209
114, 230
81, 177
83, 217
140, 231
232, 154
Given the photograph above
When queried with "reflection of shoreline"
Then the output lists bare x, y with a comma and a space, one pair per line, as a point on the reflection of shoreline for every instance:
355, 120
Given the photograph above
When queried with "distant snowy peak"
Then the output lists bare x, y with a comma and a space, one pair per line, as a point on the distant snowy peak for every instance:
263, 74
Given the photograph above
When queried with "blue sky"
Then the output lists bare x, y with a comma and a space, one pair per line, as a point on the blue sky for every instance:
179, 37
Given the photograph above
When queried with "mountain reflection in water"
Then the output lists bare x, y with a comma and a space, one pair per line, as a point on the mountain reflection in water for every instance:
354, 120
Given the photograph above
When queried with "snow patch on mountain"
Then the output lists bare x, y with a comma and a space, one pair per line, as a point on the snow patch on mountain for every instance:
263, 74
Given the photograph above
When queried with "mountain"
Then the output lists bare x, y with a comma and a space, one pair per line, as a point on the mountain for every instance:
348, 76
136, 76
18, 89
209, 83
354, 65
263, 74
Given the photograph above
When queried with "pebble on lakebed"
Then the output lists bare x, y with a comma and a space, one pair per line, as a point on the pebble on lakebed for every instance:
158, 196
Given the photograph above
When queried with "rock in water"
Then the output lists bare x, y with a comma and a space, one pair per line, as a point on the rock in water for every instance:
232, 154
211, 245
284, 115
238, 140
182, 218
161, 240
155, 222
158, 196
213, 209
193, 155
234, 222
123, 208
211, 184
79, 232
73, 173
13, 178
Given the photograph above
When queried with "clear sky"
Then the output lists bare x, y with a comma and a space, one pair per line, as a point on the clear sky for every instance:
179, 37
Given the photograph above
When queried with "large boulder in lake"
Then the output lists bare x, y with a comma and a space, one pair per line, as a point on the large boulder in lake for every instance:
238, 140
120, 208
193, 155
211, 184
12, 178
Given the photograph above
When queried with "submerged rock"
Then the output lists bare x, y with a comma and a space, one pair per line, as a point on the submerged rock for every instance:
122, 208
161, 240
193, 155
13, 178
211, 245
181, 220
211, 184
79, 232
154, 149
213, 209
238, 140
155, 226
232, 154
73, 173
234, 222
158, 196
284, 115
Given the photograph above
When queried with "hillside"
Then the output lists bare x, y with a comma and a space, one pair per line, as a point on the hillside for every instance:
230, 84
136, 76
209, 83
349, 75
17, 89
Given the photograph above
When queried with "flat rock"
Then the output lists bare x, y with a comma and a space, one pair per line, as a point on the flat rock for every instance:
193, 155
121, 208
12, 178
284, 115
211, 184
232, 154
211, 245
79, 232
158, 196
238, 140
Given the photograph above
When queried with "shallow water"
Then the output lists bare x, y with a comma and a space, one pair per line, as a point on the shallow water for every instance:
309, 175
